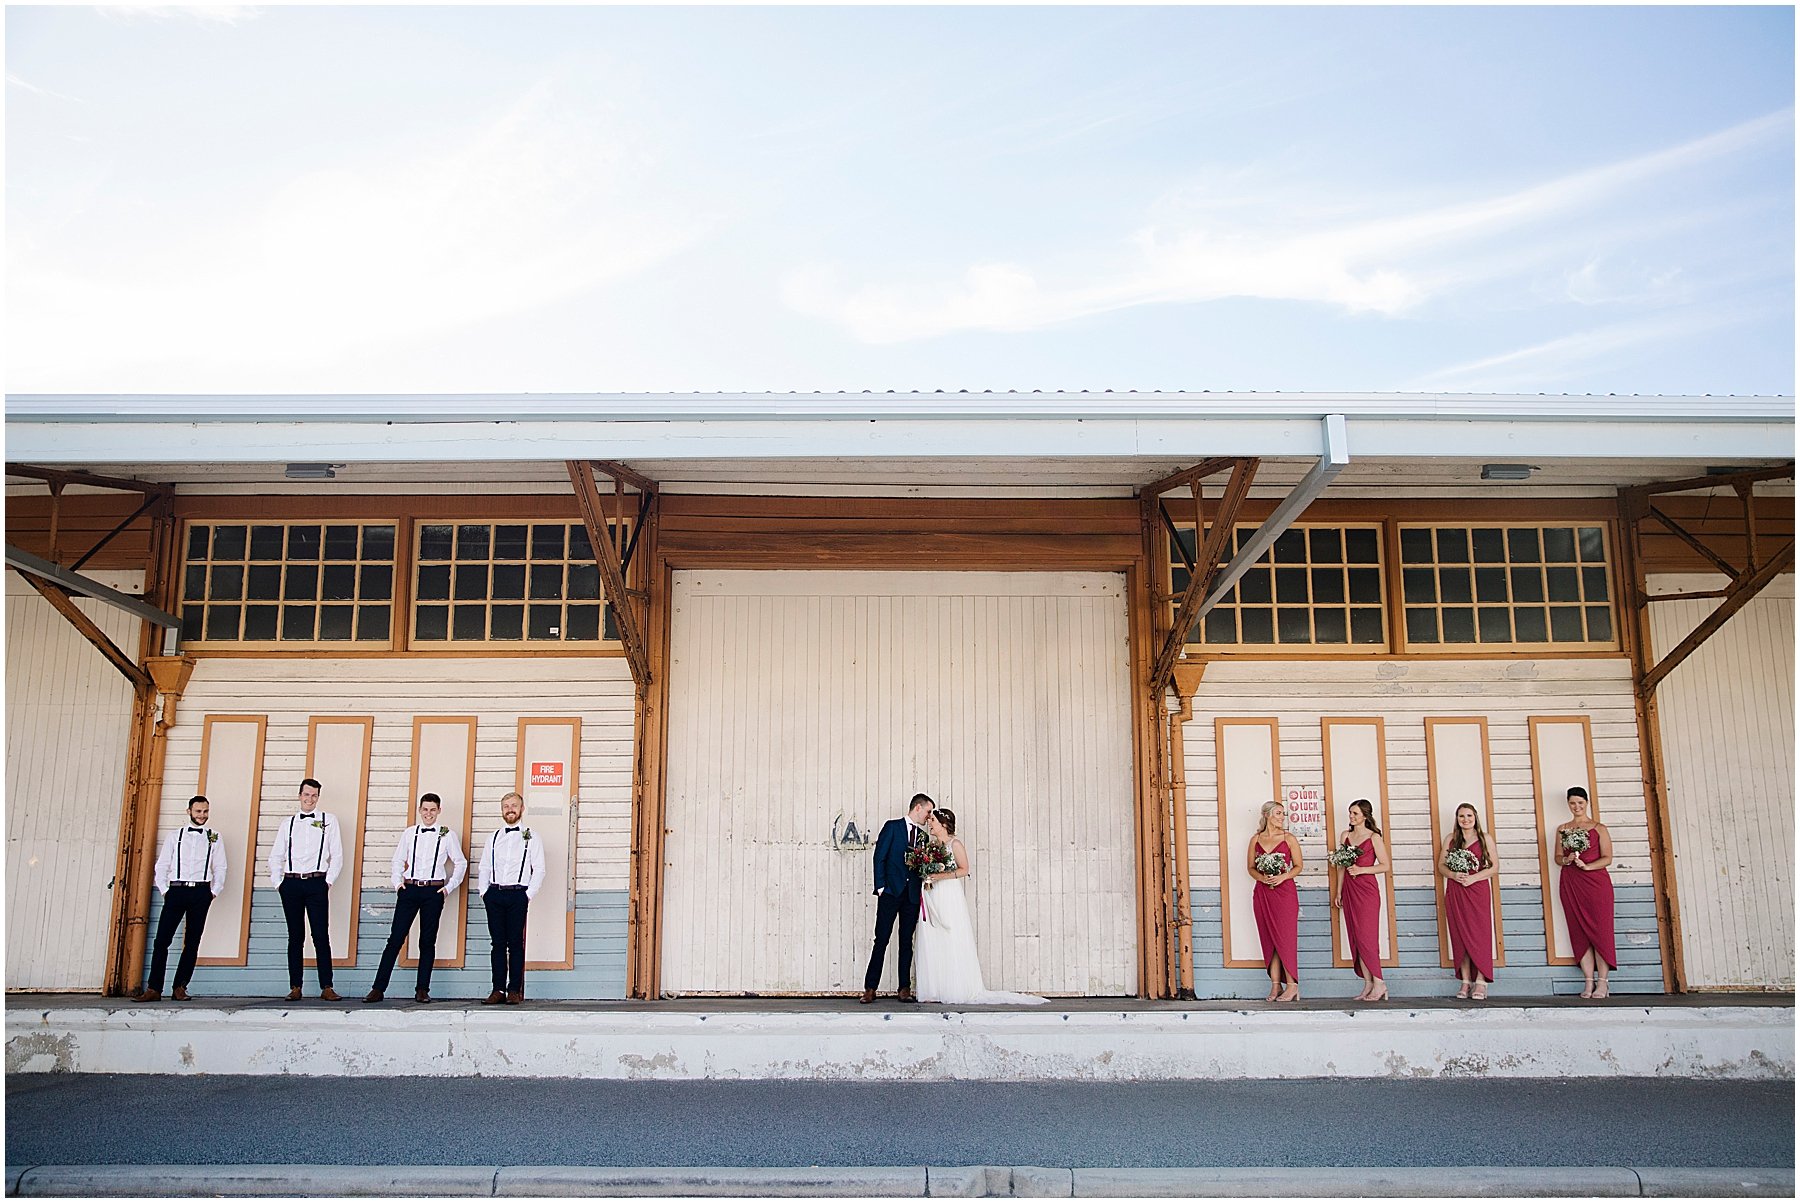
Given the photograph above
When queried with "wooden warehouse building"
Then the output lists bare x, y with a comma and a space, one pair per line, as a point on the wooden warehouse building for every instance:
716, 640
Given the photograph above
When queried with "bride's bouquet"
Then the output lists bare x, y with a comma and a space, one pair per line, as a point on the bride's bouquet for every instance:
930, 857
1271, 864
1574, 840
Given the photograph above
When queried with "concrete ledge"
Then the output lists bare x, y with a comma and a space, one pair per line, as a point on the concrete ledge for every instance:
1716, 1184
268, 1181
1409, 1182
1396, 1042
565, 1181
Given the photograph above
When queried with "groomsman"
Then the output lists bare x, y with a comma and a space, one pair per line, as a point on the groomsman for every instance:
305, 861
190, 872
428, 866
508, 877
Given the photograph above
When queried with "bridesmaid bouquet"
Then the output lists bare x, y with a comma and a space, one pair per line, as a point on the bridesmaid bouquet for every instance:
930, 857
1574, 840
1343, 856
1461, 860
1271, 864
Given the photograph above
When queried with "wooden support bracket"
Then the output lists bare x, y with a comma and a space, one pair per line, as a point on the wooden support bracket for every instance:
1208, 560
1742, 590
630, 609
64, 604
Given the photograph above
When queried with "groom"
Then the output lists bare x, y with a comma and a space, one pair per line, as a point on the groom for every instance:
897, 889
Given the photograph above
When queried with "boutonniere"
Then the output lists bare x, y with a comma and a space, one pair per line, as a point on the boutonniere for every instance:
443, 831
528, 835
318, 822
212, 837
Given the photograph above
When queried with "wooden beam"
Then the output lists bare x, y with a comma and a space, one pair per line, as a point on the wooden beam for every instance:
1200, 471
68, 476
1686, 484
626, 611
635, 479
29, 565
1746, 493
1218, 538
64, 603
1693, 541
1742, 590
150, 499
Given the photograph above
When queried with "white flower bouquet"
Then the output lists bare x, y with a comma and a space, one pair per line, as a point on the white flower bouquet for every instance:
1461, 860
1271, 864
1343, 856
1574, 840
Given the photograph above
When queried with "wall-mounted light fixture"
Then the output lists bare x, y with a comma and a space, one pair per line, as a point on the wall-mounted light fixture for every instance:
312, 471
1507, 471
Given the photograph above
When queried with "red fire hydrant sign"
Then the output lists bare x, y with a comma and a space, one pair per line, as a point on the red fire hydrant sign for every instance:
546, 772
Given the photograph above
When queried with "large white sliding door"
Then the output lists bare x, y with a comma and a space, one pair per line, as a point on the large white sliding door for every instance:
805, 701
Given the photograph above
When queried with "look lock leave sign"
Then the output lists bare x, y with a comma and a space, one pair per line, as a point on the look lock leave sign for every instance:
1305, 809
546, 772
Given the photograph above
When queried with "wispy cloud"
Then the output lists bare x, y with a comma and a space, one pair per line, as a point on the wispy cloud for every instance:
203, 14
1552, 363
25, 85
1223, 247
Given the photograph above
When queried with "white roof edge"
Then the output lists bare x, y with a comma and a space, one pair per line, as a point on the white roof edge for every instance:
746, 407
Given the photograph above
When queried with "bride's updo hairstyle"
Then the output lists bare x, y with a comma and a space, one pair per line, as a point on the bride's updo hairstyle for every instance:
947, 818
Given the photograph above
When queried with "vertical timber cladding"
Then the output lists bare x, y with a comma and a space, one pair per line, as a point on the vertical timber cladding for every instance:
805, 702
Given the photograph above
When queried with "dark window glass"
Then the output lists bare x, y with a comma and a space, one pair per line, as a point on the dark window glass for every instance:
194, 583
1565, 624
608, 627
1453, 585
1258, 624
506, 622
509, 580
1489, 545
1362, 546
547, 542
545, 622
1294, 623
377, 582
1328, 586
1495, 623
1327, 544
222, 622
260, 621
434, 582
192, 618
1452, 545
1330, 626
265, 582
584, 582
1593, 584
302, 585
1528, 584
1366, 625
1563, 583
340, 542
1221, 625
1559, 544
227, 582
434, 542
228, 542
378, 543
1459, 624
266, 542
1522, 545
1253, 586
584, 622
1243, 535
303, 543
1420, 584
1178, 579
433, 622
546, 580
1290, 585
1365, 585
1593, 544
471, 582
1490, 584
338, 583
198, 537
1415, 546
509, 542
1531, 624
372, 622
297, 622
472, 541
1599, 624
1421, 624
335, 621
581, 549
1290, 547
469, 622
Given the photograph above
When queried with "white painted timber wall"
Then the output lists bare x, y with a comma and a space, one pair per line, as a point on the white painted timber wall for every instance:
394, 690
799, 696
1727, 719
1404, 694
68, 729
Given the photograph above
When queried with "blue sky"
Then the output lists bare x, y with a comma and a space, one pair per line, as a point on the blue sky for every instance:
596, 199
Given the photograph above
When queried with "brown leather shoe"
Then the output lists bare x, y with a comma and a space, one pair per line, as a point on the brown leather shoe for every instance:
329, 995
294, 994
147, 995
516, 997
495, 997
181, 994
906, 996
868, 996
374, 996
421, 996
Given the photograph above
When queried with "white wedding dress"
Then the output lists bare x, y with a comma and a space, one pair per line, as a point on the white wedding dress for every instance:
946, 967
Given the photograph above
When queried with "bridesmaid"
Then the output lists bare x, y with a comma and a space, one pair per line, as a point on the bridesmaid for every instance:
1356, 891
1586, 891
1469, 904
1276, 902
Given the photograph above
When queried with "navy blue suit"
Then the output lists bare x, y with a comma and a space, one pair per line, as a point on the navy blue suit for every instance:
898, 887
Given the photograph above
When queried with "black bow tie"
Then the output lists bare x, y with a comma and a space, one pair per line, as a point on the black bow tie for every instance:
512, 828
198, 830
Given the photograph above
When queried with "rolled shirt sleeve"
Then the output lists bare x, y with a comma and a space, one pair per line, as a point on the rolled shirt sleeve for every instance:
459, 864
535, 860
334, 850
165, 863
217, 846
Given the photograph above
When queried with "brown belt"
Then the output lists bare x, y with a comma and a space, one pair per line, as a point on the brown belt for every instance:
303, 876
413, 882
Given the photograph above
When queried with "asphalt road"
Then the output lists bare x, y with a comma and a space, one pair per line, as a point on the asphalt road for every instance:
103, 1119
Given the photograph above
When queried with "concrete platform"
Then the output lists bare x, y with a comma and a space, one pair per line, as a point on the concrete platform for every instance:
831, 1040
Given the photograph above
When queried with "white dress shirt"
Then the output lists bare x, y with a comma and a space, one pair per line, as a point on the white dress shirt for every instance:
191, 854
309, 841
510, 859
430, 852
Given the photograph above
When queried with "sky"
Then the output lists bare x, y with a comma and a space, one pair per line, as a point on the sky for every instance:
621, 199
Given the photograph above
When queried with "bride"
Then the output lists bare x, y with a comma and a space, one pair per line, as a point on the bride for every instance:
947, 967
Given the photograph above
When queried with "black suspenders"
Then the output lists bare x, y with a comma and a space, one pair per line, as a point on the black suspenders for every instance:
436, 851
291, 821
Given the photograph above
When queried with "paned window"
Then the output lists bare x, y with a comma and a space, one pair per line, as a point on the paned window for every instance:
1506, 585
517, 582
288, 582
1316, 586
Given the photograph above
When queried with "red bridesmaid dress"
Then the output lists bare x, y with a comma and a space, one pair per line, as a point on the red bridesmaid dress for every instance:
1470, 913
1587, 900
1361, 898
1277, 911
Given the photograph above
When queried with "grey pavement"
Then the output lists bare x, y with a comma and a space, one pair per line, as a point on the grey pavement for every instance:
96, 1119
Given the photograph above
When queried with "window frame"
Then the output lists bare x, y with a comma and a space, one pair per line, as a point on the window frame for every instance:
449, 644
